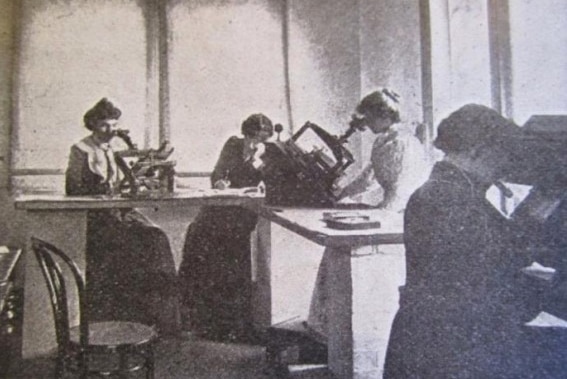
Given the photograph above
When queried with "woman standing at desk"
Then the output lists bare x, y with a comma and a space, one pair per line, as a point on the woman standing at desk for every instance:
398, 164
215, 270
130, 269
398, 160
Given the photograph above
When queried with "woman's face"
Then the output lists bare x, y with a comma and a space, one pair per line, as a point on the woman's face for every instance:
263, 136
104, 130
260, 137
378, 124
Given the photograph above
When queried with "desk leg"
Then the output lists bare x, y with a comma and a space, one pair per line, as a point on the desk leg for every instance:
66, 230
363, 299
261, 275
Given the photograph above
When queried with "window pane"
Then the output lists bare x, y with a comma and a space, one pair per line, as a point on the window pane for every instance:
225, 63
73, 53
539, 47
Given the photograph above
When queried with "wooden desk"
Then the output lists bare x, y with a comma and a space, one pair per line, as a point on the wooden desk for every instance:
353, 261
62, 221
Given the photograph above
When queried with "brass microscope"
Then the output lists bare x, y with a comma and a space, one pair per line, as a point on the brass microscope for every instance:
146, 172
302, 170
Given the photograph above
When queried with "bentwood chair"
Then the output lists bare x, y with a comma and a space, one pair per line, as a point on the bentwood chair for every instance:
103, 349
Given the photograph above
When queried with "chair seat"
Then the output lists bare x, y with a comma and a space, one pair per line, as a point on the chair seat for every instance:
111, 334
111, 347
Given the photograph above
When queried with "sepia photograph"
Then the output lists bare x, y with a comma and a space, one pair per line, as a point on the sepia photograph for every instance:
283, 189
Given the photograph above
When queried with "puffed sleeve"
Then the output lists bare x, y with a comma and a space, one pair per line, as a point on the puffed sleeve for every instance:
387, 161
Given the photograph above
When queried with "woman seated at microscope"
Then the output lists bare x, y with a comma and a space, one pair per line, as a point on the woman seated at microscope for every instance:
215, 271
130, 269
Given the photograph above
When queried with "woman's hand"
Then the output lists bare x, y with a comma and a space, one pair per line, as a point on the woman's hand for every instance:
222, 184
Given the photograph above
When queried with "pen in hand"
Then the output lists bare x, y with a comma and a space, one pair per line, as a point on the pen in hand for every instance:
223, 183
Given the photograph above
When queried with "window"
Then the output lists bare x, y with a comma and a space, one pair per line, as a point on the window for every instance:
73, 53
538, 33
225, 62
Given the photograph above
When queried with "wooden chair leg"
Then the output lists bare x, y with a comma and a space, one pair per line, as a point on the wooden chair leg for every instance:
59, 366
123, 364
83, 365
150, 364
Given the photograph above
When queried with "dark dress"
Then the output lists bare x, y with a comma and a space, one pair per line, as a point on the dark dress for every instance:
215, 273
465, 300
130, 269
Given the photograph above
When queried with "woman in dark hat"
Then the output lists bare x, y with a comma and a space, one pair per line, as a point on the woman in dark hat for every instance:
130, 268
464, 302
215, 271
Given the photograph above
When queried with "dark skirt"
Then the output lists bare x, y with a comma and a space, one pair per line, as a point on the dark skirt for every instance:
131, 274
434, 338
215, 273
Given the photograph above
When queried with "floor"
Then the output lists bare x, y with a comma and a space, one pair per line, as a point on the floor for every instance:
189, 357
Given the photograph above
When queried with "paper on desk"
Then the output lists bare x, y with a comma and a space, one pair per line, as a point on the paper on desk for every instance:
546, 320
507, 204
4, 250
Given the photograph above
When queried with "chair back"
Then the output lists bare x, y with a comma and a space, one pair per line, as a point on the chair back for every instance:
49, 258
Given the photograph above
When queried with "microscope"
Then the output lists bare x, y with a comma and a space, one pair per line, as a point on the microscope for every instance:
302, 171
146, 172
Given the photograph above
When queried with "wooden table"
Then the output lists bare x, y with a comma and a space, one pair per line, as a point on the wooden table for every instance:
353, 262
62, 221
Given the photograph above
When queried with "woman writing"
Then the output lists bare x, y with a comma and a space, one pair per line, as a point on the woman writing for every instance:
215, 270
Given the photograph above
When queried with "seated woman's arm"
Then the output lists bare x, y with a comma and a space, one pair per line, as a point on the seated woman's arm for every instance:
226, 160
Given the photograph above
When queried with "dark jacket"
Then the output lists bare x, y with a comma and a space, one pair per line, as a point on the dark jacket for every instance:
464, 302
214, 274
